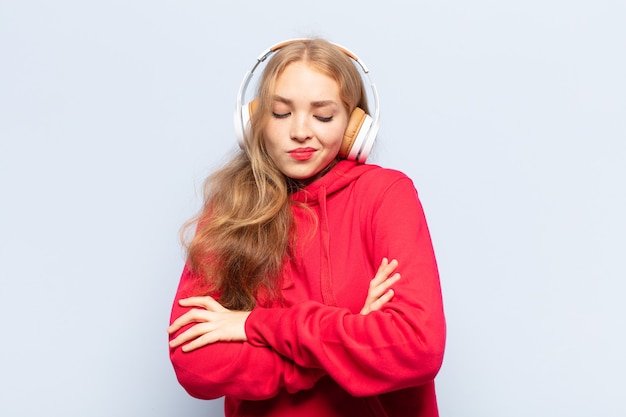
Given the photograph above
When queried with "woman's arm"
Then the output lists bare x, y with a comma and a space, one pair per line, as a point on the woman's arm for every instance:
399, 346
251, 372
237, 369
210, 322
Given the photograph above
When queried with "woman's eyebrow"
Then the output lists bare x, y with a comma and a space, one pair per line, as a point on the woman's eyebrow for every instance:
323, 103
316, 104
281, 99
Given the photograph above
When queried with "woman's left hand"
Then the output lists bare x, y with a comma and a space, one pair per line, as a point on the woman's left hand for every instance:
213, 323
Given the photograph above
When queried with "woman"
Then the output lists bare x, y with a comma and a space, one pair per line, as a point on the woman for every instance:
275, 309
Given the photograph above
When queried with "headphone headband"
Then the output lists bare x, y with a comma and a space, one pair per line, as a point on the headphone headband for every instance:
242, 115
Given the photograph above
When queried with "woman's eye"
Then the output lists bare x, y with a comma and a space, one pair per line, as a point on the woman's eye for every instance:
280, 115
324, 119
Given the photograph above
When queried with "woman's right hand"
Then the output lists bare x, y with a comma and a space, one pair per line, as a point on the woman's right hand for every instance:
380, 291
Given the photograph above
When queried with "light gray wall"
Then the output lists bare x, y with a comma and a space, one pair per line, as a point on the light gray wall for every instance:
509, 116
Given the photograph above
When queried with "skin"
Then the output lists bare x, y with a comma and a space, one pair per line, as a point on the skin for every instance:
380, 291
305, 131
303, 137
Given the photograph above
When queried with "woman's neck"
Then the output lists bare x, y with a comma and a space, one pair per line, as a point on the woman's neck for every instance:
295, 185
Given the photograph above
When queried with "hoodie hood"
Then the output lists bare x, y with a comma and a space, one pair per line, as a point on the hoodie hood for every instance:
342, 174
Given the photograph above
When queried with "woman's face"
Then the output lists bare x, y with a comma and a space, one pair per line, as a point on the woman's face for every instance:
306, 127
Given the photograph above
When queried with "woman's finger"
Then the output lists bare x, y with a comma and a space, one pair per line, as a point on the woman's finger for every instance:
384, 270
194, 315
206, 302
389, 282
376, 305
379, 289
205, 339
387, 268
381, 274
192, 333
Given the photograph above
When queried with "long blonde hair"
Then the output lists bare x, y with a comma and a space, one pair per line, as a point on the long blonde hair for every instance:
245, 229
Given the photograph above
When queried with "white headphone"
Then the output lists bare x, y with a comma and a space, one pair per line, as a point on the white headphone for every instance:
360, 132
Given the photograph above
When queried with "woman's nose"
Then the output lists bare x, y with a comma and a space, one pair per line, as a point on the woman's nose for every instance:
300, 129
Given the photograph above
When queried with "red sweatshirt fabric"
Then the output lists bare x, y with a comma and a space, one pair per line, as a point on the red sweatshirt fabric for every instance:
314, 354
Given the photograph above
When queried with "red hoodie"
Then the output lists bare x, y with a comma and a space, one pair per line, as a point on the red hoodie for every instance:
314, 354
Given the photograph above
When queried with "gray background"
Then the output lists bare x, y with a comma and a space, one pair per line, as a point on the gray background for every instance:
509, 117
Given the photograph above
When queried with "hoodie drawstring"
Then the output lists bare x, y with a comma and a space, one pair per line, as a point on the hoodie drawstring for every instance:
326, 283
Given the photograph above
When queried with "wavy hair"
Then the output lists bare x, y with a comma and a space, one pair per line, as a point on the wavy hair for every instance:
245, 230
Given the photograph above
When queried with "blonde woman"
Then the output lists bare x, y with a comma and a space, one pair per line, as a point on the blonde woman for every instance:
276, 308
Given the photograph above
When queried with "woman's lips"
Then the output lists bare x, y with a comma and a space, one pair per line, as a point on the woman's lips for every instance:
302, 154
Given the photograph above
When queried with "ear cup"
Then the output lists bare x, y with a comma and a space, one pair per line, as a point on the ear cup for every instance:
368, 131
356, 135
242, 122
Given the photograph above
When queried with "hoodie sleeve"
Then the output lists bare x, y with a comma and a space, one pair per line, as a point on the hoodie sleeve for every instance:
397, 347
239, 370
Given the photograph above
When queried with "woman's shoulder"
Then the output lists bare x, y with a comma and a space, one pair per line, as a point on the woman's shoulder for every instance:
362, 179
377, 184
377, 175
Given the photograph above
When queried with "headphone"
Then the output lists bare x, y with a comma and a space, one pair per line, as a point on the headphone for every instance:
360, 132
